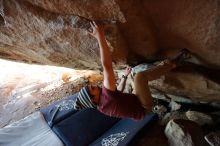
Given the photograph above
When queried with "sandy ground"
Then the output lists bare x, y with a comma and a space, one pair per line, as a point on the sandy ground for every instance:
26, 88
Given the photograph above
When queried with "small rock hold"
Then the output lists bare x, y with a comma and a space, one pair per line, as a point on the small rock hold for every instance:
174, 106
2, 20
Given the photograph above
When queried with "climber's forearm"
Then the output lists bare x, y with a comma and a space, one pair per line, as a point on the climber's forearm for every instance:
105, 53
122, 84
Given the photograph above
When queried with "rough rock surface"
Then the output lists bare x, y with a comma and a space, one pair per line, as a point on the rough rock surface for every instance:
183, 132
53, 33
173, 115
191, 82
36, 33
199, 118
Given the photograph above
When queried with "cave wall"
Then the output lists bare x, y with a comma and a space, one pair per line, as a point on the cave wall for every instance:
36, 33
54, 33
188, 24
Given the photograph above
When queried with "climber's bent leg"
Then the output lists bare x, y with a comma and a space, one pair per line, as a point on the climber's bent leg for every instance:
141, 82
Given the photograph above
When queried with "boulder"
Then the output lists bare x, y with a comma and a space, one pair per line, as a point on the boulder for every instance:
54, 33
184, 133
194, 82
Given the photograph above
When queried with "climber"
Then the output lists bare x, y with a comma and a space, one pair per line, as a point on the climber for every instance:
112, 102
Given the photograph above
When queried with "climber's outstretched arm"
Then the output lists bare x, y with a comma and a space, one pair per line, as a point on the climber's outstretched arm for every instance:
106, 59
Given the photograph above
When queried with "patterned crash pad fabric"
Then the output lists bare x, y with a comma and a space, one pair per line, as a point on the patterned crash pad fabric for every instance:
59, 110
123, 132
83, 127
30, 131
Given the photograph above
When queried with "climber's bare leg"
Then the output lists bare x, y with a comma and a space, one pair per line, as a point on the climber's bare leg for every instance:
142, 78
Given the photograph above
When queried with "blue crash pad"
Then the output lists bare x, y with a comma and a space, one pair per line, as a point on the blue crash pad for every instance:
83, 127
123, 132
59, 110
90, 127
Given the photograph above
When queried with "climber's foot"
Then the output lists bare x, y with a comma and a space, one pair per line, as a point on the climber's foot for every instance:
181, 56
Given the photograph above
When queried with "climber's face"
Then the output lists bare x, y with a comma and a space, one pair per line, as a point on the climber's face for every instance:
94, 91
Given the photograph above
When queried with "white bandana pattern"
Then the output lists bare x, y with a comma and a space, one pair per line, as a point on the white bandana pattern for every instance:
66, 105
114, 139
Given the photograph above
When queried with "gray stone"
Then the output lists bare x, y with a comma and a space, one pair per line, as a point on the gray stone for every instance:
174, 106
171, 116
199, 118
184, 133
